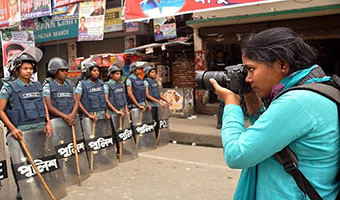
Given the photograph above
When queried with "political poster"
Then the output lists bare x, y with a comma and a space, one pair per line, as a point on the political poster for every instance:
91, 20
14, 42
131, 27
68, 12
35, 8
164, 28
61, 3
9, 13
113, 21
138, 10
130, 42
4, 14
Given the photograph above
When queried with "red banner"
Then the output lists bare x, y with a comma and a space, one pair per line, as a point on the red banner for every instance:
4, 13
137, 10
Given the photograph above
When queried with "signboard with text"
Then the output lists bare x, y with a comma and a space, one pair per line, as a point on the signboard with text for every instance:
48, 30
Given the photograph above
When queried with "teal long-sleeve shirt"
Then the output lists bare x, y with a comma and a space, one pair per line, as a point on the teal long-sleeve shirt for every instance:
304, 120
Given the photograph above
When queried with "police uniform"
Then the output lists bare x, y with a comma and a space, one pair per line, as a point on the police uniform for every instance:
15, 92
138, 89
117, 95
93, 98
61, 95
153, 87
25, 108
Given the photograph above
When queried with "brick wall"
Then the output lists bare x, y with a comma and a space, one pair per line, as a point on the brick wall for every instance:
183, 74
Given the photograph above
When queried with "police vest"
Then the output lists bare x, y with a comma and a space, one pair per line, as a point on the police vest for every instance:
28, 107
93, 98
117, 95
62, 97
138, 89
153, 88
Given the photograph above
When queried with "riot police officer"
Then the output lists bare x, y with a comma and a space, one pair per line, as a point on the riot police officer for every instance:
136, 88
17, 112
63, 106
90, 93
115, 94
153, 95
96, 126
141, 116
58, 92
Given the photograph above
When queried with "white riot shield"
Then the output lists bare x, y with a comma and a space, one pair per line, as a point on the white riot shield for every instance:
163, 133
123, 132
44, 156
143, 129
4, 186
63, 142
99, 144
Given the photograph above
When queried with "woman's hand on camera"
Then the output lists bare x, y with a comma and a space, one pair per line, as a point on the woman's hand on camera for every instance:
228, 96
253, 102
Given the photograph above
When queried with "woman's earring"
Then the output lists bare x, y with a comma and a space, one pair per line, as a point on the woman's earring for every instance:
283, 70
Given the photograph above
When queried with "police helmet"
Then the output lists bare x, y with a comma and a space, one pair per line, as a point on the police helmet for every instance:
86, 67
148, 69
56, 64
138, 65
17, 61
113, 68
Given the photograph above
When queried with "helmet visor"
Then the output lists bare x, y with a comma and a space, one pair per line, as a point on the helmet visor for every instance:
35, 52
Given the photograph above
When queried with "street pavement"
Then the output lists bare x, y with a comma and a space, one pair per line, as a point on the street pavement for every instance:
170, 172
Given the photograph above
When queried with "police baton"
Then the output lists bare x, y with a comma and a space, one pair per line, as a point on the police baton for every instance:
92, 136
140, 117
23, 145
158, 136
120, 121
76, 154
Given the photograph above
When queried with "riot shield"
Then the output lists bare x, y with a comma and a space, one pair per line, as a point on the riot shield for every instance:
44, 155
4, 186
163, 133
126, 143
63, 142
143, 129
99, 144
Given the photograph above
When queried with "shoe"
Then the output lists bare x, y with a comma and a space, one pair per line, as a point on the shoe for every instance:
219, 126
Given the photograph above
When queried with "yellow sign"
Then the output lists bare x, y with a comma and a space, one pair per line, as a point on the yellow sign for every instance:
113, 21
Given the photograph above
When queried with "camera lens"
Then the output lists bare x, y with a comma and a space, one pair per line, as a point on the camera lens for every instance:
202, 79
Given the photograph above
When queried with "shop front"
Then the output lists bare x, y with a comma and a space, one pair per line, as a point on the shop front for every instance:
221, 44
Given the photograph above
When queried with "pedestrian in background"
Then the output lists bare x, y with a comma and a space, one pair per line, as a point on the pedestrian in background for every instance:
277, 59
218, 64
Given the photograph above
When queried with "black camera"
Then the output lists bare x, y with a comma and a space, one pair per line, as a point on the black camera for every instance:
233, 78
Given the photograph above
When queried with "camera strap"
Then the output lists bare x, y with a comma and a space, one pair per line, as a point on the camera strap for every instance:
286, 157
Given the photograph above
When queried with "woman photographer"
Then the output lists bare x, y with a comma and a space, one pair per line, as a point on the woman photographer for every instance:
307, 122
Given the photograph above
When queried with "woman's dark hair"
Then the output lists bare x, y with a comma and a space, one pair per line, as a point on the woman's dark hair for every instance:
281, 44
